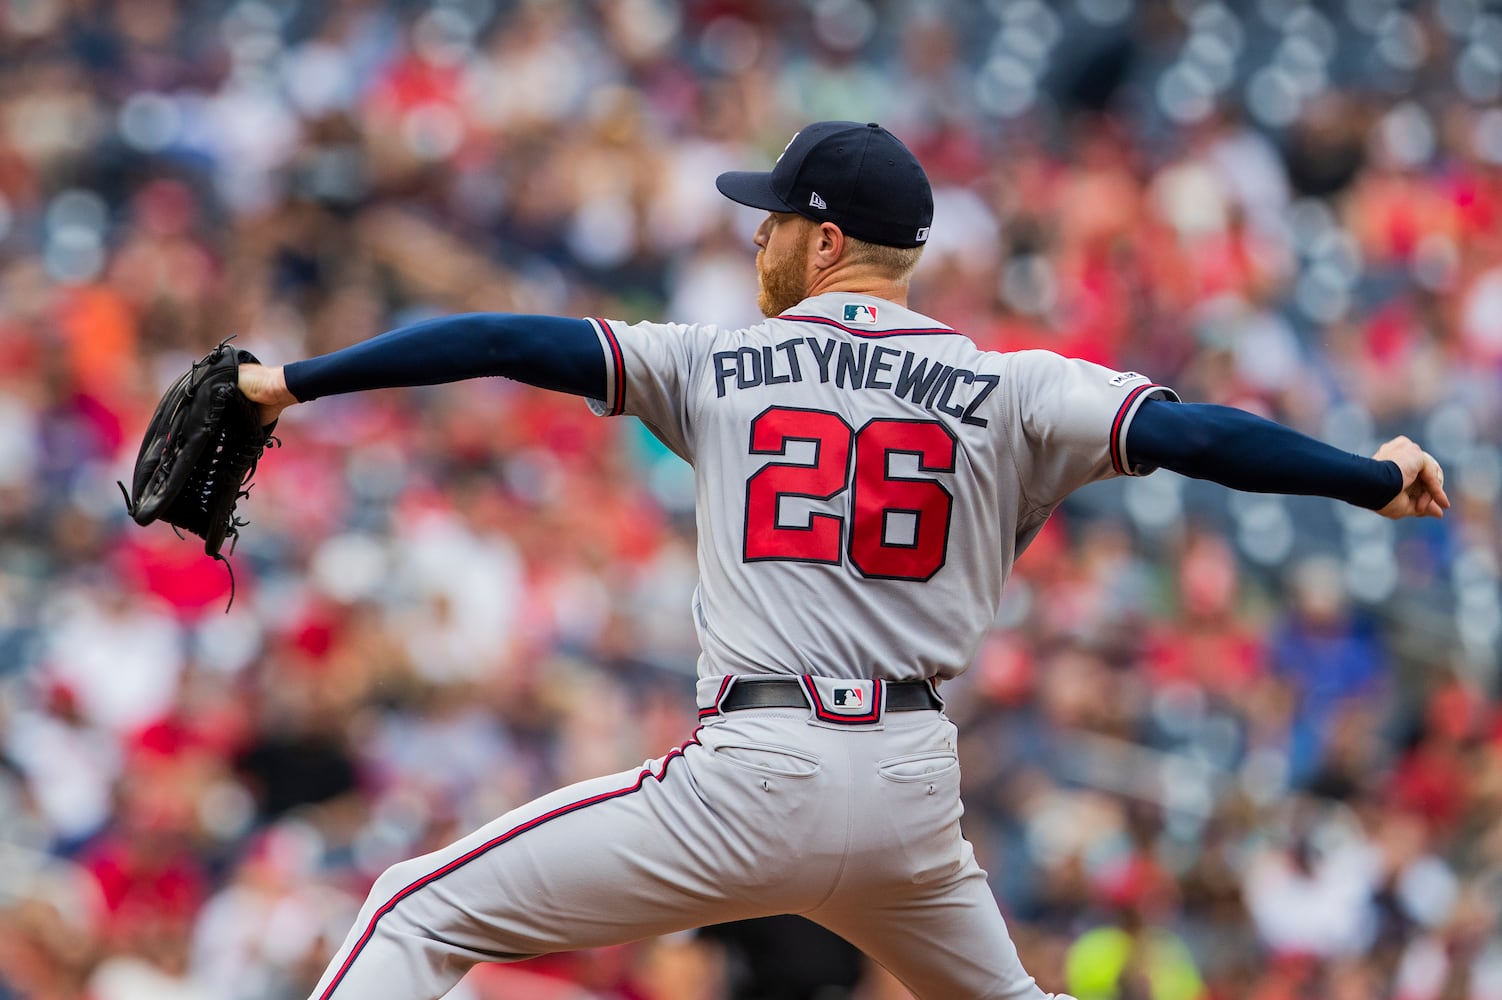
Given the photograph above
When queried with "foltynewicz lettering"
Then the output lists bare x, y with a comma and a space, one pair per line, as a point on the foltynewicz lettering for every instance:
956, 392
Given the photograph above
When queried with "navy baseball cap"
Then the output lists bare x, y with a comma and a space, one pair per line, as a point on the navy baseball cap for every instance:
860, 177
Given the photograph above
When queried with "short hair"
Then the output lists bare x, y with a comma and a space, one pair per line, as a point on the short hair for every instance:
899, 262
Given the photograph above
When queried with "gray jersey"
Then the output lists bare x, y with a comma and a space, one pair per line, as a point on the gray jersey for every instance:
866, 477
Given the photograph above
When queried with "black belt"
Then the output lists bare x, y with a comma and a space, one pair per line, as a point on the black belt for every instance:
901, 696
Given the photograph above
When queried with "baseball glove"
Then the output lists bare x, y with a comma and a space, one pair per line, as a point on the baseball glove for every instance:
200, 453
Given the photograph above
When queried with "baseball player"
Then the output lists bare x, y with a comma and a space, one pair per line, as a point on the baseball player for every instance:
865, 479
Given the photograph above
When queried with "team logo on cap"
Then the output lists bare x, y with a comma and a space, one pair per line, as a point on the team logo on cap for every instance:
859, 312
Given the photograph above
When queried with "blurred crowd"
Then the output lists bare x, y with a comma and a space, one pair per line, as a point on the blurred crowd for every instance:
1217, 747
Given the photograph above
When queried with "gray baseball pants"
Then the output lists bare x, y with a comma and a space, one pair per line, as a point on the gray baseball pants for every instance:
763, 811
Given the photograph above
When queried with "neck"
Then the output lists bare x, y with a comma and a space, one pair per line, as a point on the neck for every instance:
859, 281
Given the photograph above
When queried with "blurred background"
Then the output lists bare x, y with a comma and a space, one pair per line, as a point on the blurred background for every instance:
1217, 747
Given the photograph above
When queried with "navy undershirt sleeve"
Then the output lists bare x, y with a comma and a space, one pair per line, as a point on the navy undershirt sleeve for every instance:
1245, 452
546, 351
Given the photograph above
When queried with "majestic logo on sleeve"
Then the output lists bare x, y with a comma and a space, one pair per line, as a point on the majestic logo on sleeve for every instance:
859, 312
1124, 377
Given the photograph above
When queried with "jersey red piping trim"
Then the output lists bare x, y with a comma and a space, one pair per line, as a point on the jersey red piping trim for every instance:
490, 845
1118, 456
872, 334
618, 406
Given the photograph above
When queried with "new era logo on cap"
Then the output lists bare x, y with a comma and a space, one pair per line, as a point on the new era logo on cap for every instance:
815, 201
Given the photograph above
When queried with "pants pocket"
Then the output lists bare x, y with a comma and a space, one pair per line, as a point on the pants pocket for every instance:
916, 817
768, 759
925, 766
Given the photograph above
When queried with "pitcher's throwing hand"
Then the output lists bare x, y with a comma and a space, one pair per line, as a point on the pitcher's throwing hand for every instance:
1423, 492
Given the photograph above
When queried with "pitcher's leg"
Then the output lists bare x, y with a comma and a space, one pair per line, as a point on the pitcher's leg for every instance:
943, 940
914, 898
605, 861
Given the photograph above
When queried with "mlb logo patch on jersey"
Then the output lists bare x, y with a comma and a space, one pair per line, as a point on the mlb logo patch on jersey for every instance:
859, 312
1124, 377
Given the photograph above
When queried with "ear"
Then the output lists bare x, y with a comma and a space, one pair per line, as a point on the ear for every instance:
827, 246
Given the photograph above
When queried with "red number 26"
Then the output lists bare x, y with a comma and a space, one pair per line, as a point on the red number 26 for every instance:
899, 525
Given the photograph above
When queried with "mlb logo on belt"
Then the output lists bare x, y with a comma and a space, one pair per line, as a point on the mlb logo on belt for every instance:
846, 701
859, 312
850, 699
